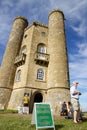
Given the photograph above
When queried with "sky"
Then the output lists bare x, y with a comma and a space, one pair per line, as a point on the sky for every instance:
75, 12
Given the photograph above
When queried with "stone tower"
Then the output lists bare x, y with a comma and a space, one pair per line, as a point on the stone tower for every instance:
58, 71
7, 71
36, 62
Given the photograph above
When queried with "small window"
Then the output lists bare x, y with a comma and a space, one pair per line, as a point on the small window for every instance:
43, 34
41, 48
25, 35
40, 74
26, 94
24, 50
18, 75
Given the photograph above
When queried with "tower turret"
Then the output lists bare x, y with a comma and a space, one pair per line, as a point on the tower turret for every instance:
58, 71
7, 71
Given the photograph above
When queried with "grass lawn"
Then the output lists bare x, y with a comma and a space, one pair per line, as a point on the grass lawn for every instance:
14, 121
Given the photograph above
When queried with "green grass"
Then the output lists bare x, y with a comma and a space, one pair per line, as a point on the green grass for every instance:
23, 122
8, 111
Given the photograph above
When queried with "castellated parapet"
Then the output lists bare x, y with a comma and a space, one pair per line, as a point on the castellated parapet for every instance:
36, 62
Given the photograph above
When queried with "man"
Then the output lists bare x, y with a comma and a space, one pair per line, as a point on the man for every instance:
75, 100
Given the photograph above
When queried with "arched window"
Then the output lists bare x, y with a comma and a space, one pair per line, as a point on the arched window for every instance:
41, 48
18, 75
24, 50
40, 74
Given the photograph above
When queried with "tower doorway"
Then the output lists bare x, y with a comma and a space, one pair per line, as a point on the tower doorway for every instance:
38, 98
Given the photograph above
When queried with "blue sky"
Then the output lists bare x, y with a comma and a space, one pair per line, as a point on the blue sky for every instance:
75, 12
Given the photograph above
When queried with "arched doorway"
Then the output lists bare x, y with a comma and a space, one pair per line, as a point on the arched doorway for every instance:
38, 98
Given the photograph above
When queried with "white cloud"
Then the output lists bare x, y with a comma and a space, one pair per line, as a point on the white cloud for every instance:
78, 18
78, 63
78, 71
83, 49
83, 101
75, 13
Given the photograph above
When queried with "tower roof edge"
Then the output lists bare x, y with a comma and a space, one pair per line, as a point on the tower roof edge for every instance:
21, 17
56, 10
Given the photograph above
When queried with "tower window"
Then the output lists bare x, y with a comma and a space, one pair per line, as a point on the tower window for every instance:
43, 34
41, 48
18, 75
40, 74
25, 35
24, 50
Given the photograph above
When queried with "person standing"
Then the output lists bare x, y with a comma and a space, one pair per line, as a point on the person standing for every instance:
26, 103
74, 92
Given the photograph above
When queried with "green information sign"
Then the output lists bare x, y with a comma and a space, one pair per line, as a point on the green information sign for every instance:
42, 116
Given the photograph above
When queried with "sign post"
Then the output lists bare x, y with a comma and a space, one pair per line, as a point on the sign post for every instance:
42, 116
